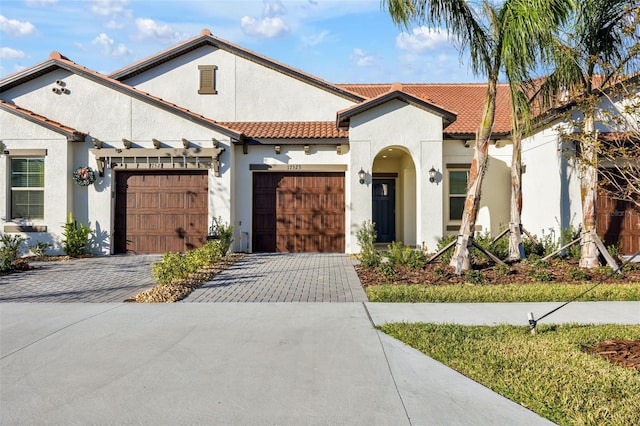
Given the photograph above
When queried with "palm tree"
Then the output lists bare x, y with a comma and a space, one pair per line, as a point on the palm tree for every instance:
598, 49
505, 37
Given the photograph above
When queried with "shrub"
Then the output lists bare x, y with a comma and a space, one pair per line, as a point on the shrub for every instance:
177, 266
567, 235
542, 275
578, 274
386, 269
474, 277
614, 250
76, 237
399, 254
441, 272
11, 246
502, 269
369, 256
224, 233
442, 243
40, 248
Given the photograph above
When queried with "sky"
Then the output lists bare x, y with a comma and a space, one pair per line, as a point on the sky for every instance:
340, 41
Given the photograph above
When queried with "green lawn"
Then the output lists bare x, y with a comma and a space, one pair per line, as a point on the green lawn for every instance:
467, 293
547, 372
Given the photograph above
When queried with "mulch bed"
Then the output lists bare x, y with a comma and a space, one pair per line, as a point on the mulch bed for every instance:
621, 352
557, 270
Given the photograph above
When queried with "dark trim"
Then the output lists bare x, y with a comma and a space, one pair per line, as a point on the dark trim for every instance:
458, 165
299, 168
384, 175
25, 228
457, 228
294, 142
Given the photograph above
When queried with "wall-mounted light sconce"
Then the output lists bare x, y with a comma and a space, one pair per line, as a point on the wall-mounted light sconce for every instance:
361, 176
432, 174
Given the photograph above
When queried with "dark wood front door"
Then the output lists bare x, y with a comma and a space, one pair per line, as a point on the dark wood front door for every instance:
384, 209
156, 212
298, 212
618, 222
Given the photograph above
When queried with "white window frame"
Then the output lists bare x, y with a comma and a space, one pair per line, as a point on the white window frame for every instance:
13, 189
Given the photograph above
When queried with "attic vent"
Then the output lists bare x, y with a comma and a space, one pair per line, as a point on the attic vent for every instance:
207, 79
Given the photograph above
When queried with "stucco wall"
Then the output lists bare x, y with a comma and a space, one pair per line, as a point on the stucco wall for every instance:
419, 133
16, 133
109, 116
247, 91
550, 185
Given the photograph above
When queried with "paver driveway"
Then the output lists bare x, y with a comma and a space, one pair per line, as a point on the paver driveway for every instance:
98, 279
282, 277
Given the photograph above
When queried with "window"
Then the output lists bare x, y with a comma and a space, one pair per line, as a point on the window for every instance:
457, 193
27, 188
207, 79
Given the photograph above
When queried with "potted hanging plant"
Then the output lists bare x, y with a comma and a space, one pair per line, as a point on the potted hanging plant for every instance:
84, 176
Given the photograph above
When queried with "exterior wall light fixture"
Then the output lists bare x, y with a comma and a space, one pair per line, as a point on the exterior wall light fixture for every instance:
362, 175
432, 174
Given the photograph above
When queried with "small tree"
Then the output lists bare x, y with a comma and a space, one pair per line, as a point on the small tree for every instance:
76, 237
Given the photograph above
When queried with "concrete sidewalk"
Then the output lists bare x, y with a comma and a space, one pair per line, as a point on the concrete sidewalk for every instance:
227, 364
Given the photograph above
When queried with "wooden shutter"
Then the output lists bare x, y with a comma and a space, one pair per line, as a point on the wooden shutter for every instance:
207, 79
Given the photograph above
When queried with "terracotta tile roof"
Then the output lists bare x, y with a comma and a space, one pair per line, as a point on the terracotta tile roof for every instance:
70, 132
289, 130
396, 93
58, 60
467, 100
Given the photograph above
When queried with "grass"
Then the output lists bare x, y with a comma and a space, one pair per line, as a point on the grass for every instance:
547, 373
465, 293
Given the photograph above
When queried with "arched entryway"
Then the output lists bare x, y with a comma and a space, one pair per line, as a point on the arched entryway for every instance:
393, 193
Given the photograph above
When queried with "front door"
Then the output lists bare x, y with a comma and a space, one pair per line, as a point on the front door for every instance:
384, 209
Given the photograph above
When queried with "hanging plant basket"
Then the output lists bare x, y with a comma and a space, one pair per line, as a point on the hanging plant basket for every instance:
84, 176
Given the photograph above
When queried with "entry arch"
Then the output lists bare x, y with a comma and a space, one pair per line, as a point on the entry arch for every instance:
394, 194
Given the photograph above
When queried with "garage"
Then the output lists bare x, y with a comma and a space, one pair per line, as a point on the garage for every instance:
156, 212
298, 212
618, 222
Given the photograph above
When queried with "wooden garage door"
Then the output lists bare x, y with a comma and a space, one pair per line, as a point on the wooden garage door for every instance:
618, 221
158, 212
298, 212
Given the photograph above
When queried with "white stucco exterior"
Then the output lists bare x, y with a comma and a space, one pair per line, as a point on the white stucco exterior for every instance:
400, 138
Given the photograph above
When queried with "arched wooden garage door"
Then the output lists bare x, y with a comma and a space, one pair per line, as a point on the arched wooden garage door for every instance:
618, 222
298, 212
157, 212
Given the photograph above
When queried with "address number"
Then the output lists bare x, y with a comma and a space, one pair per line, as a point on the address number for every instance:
294, 166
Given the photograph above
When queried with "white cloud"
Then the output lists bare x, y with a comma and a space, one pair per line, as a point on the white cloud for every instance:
422, 39
265, 27
361, 58
115, 25
314, 39
110, 7
9, 53
148, 28
16, 28
109, 46
270, 25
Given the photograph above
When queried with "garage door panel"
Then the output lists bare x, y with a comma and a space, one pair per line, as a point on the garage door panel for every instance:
618, 222
303, 204
158, 212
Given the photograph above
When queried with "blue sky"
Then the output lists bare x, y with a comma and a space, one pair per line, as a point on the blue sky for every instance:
341, 41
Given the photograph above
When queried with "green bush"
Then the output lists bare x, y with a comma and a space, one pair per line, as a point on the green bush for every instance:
399, 254
11, 246
76, 237
386, 269
40, 248
224, 233
442, 243
443, 273
578, 274
474, 277
567, 235
177, 266
502, 269
366, 235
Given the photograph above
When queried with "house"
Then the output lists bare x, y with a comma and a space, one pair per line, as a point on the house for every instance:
207, 130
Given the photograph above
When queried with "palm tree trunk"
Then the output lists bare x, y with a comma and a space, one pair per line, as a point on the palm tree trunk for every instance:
516, 249
589, 252
461, 259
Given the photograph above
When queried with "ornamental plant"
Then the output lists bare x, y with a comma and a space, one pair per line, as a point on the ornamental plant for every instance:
76, 237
